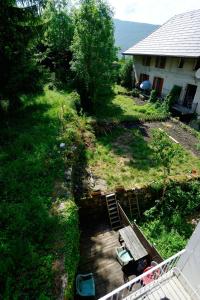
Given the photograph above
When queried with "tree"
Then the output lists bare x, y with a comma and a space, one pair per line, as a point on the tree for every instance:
18, 30
54, 49
165, 152
93, 51
126, 74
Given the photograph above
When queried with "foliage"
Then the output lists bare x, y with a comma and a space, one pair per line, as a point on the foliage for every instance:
19, 29
57, 37
153, 96
125, 157
126, 74
120, 107
167, 224
165, 150
135, 92
93, 51
173, 96
69, 235
31, 162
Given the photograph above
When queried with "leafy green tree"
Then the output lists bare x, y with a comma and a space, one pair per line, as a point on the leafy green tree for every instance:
54, 49
126, 74
93, 51
19, 27
165, 152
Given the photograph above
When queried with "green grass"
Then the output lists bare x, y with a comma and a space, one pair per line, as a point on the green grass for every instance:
167, 241
169, 224
118, 107
31, 163
124, 157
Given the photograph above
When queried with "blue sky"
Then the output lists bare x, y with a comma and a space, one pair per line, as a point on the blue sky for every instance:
151, 11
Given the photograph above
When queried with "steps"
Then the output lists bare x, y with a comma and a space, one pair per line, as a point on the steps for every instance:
113, 211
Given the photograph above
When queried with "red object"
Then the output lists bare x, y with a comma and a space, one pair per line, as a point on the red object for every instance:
151, 276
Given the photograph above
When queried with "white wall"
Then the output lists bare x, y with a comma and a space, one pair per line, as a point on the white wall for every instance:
189, 263
172, 75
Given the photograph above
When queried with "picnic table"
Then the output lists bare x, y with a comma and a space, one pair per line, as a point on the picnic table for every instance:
132, 243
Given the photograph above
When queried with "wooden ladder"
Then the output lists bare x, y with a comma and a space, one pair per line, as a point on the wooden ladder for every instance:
113, 211
134, 206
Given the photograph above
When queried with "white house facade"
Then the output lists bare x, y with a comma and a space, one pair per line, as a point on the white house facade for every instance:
170, 57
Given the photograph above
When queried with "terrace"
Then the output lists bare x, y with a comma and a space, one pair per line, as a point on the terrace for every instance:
98, 255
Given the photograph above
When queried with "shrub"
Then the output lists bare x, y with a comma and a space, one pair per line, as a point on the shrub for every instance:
135, 92
126, 73
153, 96
166, 224
172, 97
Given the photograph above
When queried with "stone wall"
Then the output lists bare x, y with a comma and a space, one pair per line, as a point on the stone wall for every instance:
94, 206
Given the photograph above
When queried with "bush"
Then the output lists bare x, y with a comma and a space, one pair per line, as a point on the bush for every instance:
172, 97
126, 74
153, 96
135, 92
166, 224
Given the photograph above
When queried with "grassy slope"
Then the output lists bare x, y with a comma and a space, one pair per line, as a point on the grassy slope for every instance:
131, 159
30, 163
119, 107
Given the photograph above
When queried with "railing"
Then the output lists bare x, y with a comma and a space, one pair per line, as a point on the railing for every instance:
128, 289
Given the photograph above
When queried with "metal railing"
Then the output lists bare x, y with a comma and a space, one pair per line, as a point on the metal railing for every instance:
129, 289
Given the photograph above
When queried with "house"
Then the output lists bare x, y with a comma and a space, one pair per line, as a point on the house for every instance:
170, 56
177, 277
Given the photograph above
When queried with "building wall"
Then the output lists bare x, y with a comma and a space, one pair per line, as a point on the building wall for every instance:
189, 263
171, 74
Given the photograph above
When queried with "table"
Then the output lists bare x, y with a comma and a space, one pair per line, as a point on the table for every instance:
132, 243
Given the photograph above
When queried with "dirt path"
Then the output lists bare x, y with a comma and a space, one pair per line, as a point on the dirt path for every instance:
181, 135
185, 138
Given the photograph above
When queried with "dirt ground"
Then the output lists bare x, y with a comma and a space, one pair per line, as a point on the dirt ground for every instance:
184, 137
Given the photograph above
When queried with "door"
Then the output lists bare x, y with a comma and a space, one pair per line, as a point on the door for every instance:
158, 85
189, 95
143, 77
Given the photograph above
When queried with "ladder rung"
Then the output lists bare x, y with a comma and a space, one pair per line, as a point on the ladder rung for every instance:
111, 195
112, 218
113, 208
111, 200
118, 221
113, 213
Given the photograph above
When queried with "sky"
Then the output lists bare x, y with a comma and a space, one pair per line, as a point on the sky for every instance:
151, 11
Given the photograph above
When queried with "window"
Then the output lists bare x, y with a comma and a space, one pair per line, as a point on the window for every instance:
160, 62
181, 63
197, 64
143, 77
146, 61
158, 84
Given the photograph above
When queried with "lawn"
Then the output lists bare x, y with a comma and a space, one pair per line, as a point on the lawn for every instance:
120, 107
31, 164
125, 157
169, 224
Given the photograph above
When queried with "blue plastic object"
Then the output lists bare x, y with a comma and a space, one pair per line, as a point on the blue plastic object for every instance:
123, 256
145, 85
85, 285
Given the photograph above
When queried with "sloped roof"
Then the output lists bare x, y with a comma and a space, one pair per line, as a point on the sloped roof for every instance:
180, 36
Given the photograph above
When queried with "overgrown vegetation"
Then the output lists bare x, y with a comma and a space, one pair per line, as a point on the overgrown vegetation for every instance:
126, 77
132, 159
169, 224
120, 107
31, 164
93, 52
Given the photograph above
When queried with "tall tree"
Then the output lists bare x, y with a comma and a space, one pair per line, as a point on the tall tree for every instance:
18, 71
54, 48
93, 51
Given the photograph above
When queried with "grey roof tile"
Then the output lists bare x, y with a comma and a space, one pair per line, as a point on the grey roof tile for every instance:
180, 36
